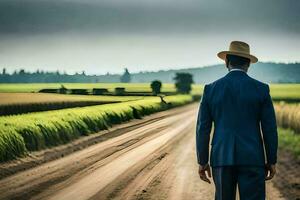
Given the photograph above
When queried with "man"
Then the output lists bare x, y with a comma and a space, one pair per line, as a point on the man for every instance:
244, 143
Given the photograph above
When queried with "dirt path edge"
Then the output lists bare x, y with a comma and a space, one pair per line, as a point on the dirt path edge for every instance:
34, 159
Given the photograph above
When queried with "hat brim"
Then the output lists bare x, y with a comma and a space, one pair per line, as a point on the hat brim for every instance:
223, 54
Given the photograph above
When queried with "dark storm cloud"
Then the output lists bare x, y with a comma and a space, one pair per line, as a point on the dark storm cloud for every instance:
41, 16
106, 35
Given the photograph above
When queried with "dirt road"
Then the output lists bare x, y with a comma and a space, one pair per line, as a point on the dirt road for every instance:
153, 161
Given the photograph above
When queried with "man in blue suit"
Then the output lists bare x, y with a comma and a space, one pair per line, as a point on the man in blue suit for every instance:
244, 143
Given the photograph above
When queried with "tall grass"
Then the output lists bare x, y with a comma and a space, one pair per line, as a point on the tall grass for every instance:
288, 116
20, 103
30, 132
13, 109
290, 141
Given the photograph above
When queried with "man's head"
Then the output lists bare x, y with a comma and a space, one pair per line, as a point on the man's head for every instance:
238, 56
237, 62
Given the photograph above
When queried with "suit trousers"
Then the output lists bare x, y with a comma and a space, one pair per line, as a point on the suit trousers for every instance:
249, 179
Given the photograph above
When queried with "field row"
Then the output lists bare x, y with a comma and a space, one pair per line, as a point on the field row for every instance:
30, 132
278, 91
131, 87
19, 103
28, 98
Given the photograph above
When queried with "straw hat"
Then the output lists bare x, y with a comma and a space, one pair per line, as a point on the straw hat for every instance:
238, 48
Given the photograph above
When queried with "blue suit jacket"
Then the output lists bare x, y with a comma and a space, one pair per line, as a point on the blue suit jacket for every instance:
242, 112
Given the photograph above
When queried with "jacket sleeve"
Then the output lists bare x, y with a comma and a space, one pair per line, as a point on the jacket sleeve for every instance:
269, 128
203, 129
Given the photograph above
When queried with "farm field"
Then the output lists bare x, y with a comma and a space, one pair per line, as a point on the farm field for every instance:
20, 103
288, 116
131, 87
154, 160
26, 98
36, 131
285, 91
151, 150
278, 91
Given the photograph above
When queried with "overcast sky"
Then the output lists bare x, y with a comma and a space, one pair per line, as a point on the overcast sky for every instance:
101, 36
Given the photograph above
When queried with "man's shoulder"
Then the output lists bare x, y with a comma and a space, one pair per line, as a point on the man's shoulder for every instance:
260, 84
219, 82
214, 83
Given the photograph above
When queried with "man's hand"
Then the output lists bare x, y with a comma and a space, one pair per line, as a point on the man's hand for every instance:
202, 173
270, 172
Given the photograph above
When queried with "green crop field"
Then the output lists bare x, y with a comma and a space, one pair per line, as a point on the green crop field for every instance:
35, 131
130, 87
285, 91
278, 91
19, 103
29, 98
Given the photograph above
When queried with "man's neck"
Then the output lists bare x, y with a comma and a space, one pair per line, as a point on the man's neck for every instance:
236, 69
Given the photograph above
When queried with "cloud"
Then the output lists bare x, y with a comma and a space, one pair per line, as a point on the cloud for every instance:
107, 35
41, 16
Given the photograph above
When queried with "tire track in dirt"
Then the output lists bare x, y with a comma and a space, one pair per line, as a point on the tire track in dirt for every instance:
172, 175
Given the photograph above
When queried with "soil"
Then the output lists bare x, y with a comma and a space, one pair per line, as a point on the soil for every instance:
152, 158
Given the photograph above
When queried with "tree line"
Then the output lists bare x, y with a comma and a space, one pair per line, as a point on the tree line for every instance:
40, 76
183, 81
266, 72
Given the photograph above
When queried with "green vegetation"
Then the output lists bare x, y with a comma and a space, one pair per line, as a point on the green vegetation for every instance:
156, 87
290, 141
13, 109
285, 92
288, 119
35, 131
278, 91
130, 87
29, 98
126, 77
30, 132
19, 103
183, 82
266, 72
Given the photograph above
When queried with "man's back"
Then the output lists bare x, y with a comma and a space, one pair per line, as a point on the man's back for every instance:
236, 104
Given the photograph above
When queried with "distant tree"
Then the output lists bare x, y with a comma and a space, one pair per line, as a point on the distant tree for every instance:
119, 91
62, 89
183, 82
126, 77
156, 86
4, 71
22, 72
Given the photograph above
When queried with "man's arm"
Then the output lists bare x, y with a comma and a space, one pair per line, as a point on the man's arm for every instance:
269, 129
270, 135
204, 123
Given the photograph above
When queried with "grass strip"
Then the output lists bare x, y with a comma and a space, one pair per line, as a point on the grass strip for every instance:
290, 141
35, 131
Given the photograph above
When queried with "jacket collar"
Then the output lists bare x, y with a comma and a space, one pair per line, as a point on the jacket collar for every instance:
232, 70
236, 72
